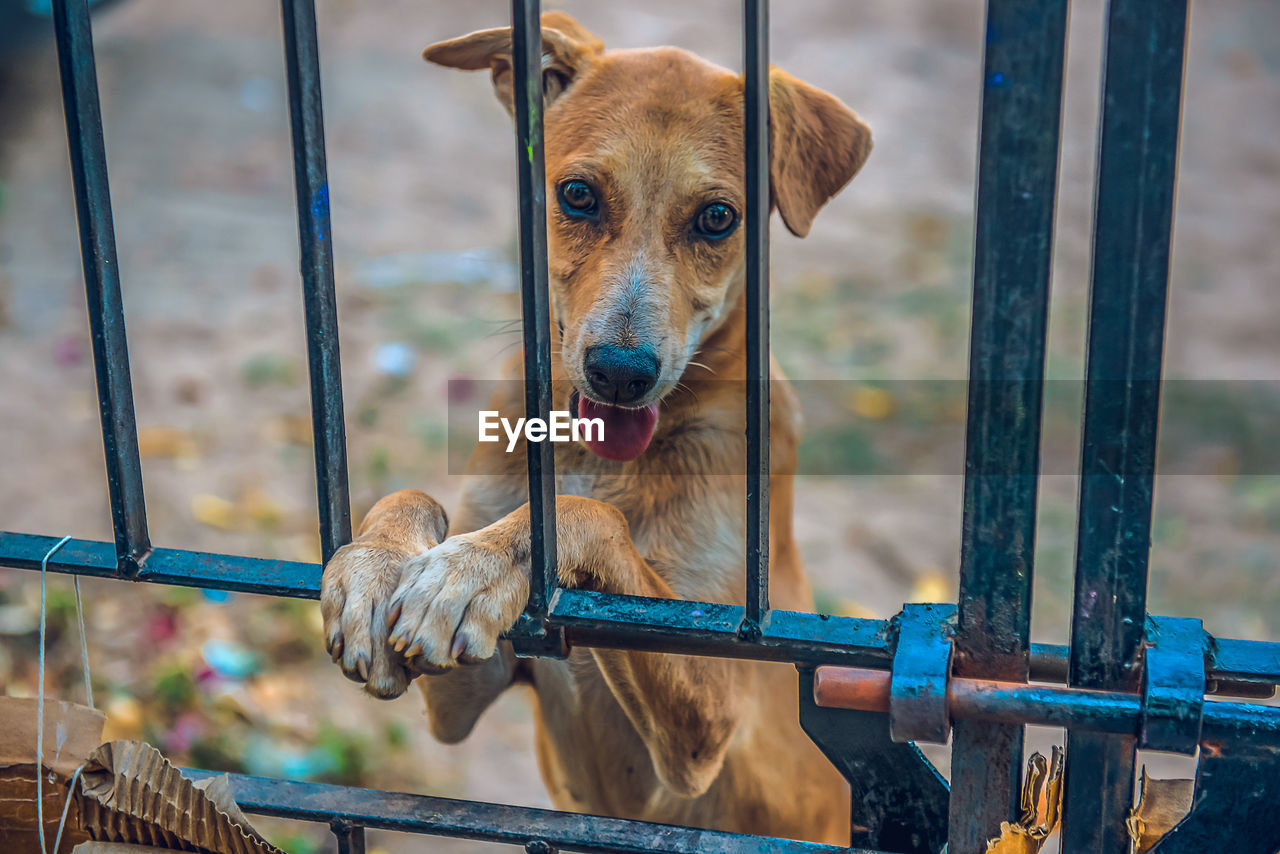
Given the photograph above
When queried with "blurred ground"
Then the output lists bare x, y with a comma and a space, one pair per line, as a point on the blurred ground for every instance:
422, 196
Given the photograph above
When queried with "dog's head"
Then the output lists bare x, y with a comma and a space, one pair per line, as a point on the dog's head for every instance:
645, 189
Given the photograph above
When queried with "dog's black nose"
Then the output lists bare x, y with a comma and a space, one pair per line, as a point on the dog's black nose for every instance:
620, 375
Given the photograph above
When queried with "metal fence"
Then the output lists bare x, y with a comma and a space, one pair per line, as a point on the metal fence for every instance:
1126, 681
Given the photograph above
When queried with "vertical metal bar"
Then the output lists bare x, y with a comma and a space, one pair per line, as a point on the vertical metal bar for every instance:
102, 281
1133, 221
306, 114
1017, 176
755, 54
526, 65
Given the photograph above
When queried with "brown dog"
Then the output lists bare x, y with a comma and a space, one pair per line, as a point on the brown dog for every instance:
644, 152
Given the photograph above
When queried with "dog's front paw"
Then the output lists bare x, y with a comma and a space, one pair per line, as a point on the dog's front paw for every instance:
453, 601
354, 594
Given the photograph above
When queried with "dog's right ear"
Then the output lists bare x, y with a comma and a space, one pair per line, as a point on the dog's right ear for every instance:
567, 48
817, 145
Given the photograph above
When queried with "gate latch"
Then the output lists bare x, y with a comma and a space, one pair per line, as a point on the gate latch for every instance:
921, 666
1173, 684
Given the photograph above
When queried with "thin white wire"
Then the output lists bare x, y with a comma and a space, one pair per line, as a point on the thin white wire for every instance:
66, 808
84, 651
44, 573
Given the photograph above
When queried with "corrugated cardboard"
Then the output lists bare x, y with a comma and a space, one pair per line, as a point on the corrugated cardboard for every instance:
131, 793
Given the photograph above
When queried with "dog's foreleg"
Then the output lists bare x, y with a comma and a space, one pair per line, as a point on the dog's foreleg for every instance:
355, 599
455, 600
458, 696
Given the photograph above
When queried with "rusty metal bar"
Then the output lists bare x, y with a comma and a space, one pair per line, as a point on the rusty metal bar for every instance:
1017, 179
1133, 223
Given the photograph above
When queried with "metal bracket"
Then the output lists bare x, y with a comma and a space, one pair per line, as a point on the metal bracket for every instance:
921, 665
534, 638
751, 630
899, 799
1173, 684
350, 836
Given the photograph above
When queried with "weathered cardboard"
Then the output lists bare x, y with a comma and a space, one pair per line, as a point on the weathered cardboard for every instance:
71, 732
1041, 808
1161, 805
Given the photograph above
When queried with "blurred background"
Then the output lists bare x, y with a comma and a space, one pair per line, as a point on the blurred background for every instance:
422, 190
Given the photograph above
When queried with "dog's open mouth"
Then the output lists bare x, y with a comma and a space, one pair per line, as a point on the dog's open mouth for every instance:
626, 432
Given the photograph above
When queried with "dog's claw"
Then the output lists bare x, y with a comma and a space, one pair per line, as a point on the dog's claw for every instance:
399, 643
459, 646
336, 645
362, 667
413, 651
394, 614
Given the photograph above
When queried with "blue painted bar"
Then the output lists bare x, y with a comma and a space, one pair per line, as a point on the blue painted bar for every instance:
601, 619
167, 566
495, 822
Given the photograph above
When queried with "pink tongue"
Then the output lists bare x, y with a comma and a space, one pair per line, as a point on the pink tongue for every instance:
626, 431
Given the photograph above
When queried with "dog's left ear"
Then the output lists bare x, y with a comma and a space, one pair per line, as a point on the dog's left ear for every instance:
818, 145
567, 47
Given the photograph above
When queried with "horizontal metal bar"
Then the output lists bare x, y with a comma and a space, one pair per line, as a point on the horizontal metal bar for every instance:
1244, 661
167, 566
494, 822
1237, 668
602, 620
1043, 705
702, 628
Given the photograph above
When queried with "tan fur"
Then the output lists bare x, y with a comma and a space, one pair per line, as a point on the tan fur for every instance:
683, 739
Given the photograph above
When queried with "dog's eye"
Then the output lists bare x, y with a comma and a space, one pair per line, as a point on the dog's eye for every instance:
716, 220
577, 198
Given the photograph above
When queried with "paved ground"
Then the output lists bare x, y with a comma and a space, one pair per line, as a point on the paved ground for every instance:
420, 167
